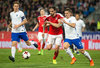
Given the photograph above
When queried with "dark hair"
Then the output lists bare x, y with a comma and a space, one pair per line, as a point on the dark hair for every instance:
68, 9
16, 2
52, 7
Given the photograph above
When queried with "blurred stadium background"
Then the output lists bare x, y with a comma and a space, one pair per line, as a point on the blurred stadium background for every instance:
89, 11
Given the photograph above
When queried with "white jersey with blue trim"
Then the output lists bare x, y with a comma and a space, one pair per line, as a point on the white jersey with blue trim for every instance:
79, 25
70, 32
17, 18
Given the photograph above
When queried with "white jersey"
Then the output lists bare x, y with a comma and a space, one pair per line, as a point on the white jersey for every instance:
17, 18
79, 25
70, 32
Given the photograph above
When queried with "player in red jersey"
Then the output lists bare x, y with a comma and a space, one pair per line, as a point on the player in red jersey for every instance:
41, 36
54, 34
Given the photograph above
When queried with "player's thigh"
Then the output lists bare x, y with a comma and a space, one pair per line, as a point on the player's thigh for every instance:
77, 43
67, 43
14, 43
58, 40
50, 41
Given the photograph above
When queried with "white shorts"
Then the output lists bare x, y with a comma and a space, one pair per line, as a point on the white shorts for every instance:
40, 36
54, 39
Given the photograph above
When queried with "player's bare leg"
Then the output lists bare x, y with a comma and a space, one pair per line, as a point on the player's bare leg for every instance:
13, 51
55, 54
85, 53
19, 46
68, 51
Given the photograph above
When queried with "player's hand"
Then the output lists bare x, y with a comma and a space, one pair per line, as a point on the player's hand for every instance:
33, 29
59, 20
48, 22
16, 26
63, 20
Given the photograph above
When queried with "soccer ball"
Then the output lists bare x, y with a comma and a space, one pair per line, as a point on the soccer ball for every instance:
26, 55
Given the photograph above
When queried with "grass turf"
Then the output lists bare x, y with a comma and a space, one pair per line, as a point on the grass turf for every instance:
45, 61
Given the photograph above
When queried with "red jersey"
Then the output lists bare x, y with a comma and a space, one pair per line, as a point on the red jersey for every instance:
41, 21
53, 30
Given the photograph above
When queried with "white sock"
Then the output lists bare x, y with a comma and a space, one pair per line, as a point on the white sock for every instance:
68, 51
13, 50
19, 46
87, 55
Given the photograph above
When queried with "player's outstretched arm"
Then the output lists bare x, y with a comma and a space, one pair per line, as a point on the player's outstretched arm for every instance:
37, 25
22, 23
70, 24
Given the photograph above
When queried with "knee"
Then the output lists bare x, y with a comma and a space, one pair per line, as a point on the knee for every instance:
14, 43
49, 47
66, 45
82, 51
28, 43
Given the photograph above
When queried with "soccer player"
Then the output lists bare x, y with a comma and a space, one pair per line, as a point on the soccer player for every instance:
41, 38
18, 29
80, 27
55, 33
71, 36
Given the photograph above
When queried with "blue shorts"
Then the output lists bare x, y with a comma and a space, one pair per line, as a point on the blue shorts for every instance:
77, 42
18, 36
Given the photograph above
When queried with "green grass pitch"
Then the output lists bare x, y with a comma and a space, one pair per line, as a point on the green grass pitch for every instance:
45, 61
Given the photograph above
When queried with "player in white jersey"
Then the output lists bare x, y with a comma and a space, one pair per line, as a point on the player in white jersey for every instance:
71, 36
80, 27
18, 29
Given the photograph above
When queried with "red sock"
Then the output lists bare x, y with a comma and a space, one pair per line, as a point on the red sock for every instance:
39, 46
43, 45
55, 54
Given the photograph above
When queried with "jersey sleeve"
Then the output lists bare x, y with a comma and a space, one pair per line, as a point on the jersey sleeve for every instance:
22, 15
83, 24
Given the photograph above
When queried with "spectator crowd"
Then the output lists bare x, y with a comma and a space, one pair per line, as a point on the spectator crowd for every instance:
31, 10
